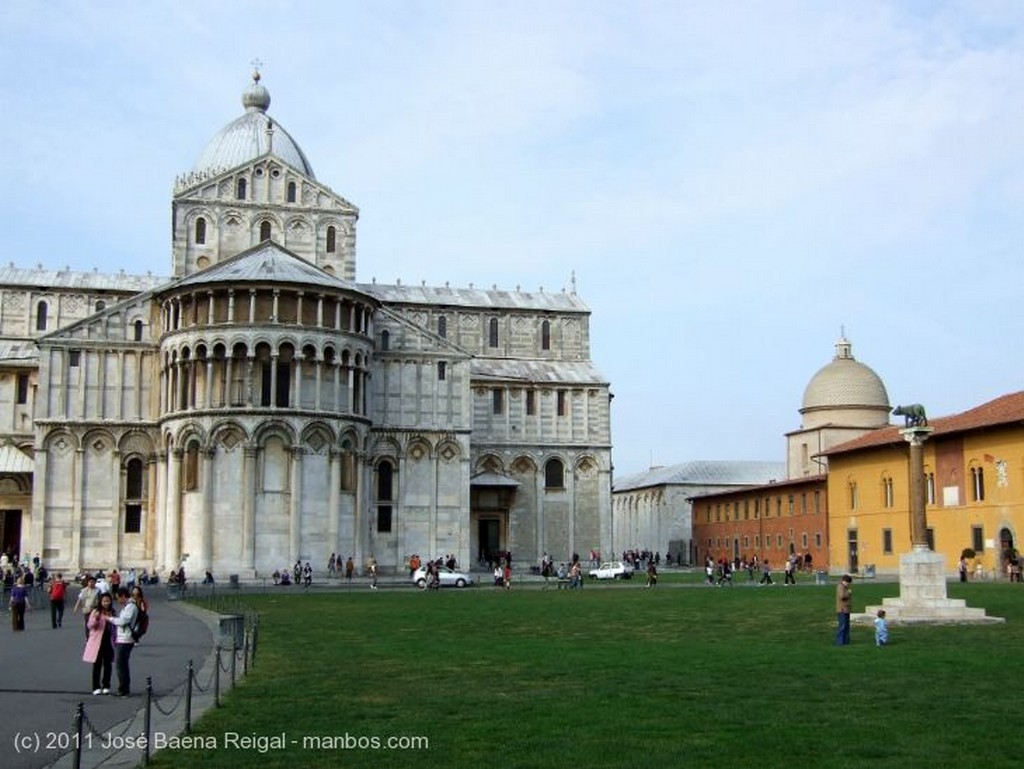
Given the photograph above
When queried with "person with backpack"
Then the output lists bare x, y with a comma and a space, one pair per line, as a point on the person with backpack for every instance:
58, 589
124, 642
142, 623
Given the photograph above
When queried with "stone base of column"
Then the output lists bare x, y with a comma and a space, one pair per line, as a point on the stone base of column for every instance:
922, 598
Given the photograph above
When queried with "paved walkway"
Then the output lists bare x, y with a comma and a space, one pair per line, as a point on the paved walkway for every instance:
44, 679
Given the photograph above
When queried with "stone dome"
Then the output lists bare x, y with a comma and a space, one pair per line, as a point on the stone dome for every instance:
845, 383
250, 136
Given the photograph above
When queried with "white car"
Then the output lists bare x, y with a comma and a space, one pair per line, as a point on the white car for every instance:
447, 577
612, 570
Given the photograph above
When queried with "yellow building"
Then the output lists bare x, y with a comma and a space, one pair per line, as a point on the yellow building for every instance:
974, 480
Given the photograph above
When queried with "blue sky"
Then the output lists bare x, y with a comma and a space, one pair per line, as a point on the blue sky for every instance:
731, 182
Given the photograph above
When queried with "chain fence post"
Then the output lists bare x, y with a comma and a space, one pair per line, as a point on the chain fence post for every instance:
148, 719
245, 654
77, 763
216, 679
234, 660
188, 699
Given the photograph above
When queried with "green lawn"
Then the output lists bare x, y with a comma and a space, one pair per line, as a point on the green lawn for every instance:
623, 677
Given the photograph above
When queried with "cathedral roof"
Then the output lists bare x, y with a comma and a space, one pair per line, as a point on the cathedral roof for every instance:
845, 382
562, 301
704, 472
554, 372
90, 280
265, 262
251, 136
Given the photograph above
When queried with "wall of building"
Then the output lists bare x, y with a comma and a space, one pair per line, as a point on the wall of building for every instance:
956, 517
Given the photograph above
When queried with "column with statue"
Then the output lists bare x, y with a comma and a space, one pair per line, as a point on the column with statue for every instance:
923, 597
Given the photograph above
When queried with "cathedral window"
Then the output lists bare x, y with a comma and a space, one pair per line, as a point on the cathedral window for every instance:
264, 231
498, 400
492, 332
385, 496
138, 330
41, 310
531, 403
74, 358
561, 396
442, 327
441, 370
291, 192
22, 389
100, 305
132, 518
200, 231
134, 494
545, 335
554, 474
385, 340
332, 238
240, 189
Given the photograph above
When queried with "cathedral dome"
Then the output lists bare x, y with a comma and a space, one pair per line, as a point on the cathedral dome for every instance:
252, 135
845, 383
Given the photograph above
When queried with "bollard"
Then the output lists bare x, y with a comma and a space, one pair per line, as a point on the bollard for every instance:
234, 658
148, 719
188, 700
77, 764
216, 679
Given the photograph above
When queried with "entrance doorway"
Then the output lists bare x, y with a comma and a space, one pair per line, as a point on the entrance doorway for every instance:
851, 541
489, 538
10, 532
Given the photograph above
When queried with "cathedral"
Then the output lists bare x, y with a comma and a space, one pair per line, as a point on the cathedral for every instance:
261, 406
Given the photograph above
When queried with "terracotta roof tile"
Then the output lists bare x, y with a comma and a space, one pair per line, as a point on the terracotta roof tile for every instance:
1004, 410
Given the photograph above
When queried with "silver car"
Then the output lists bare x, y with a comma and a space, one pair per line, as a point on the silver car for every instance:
446, 577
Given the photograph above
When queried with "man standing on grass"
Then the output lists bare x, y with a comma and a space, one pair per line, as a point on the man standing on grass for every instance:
843, 600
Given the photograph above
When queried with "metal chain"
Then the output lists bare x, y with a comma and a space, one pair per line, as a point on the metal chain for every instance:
156, 703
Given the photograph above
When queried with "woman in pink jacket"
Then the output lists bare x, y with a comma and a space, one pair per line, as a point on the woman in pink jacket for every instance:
99, 648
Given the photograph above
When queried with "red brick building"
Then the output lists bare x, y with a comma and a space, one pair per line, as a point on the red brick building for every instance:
770, 521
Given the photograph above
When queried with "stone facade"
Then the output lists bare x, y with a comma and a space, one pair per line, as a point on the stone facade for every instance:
261, 407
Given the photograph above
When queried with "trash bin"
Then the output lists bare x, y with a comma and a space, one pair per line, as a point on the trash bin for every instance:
821, 577
869, 571
232, 631
233, 581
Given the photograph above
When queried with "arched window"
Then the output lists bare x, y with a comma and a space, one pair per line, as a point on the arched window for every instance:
978, 484
442, 327
332, 238
192, 466
545, 335
138, 331
134, 496
385, 340
240, 189
200, 231
385, 496
133, 479
264, 231
41, 310
492, 332
554, 474
291, 192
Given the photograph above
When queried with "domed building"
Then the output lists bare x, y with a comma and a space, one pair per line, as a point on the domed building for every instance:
843, 400
261, 407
